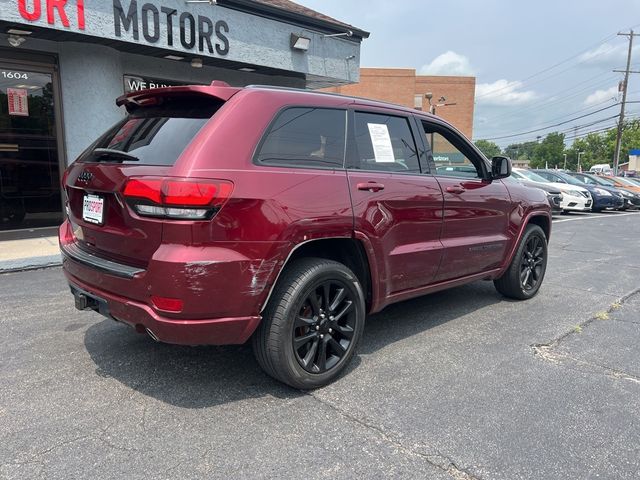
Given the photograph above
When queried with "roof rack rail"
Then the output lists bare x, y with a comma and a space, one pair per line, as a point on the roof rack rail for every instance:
331, 94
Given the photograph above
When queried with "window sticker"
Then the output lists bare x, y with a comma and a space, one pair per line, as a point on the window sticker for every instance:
381, 141
18, 102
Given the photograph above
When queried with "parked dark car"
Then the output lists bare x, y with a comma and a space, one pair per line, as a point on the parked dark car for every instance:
603, 196
631, 198
215, 215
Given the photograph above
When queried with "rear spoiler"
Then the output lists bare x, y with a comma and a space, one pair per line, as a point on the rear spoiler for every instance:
218, 89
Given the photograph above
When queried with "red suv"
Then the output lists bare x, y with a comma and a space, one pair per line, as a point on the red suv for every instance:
215, 215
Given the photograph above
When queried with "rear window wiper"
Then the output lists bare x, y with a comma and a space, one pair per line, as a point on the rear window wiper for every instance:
117, 155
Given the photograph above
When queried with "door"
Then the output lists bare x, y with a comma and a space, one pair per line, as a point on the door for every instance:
29, 168
395, 206
476, 210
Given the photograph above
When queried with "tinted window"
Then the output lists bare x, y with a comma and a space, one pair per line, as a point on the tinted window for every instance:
448, 153
550, 177
155, 135
385, 143
311, 137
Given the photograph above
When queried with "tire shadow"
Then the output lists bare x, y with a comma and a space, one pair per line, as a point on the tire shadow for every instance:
201, 377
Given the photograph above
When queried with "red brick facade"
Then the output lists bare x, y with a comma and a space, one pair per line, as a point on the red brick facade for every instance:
402, 85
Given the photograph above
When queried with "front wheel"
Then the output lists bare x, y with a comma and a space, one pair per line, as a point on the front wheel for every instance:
312, 324
523, 278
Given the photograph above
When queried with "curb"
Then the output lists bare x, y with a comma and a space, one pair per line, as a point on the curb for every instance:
30, 263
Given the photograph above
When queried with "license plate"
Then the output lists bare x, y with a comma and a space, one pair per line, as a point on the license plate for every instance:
93, 209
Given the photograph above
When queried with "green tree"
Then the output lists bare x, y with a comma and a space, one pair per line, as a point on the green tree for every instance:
549, 152
489, 149
521, 151
595, 150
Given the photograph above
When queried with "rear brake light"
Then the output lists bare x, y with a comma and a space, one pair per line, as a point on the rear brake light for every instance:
183, 199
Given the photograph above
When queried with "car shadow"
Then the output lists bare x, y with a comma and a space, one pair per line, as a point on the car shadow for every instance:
201, 377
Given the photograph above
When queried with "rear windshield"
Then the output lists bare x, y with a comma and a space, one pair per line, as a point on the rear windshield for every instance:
153, 135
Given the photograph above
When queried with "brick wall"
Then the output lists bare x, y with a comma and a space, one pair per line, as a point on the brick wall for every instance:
401, 85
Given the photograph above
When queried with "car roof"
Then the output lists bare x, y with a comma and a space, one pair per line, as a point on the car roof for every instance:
223, 91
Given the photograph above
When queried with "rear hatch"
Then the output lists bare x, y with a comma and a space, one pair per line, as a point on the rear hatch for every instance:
136, 154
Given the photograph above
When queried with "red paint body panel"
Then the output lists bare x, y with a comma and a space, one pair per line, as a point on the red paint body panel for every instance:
418, 237
474, 233
403, 222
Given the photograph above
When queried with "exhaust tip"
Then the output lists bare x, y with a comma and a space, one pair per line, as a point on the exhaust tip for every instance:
152, 335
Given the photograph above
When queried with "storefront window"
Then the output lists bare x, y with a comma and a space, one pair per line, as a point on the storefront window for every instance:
29, 172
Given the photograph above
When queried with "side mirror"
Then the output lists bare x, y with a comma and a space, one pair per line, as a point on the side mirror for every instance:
500, 168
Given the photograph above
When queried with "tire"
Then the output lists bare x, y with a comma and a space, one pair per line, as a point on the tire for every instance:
332, 326
531, 257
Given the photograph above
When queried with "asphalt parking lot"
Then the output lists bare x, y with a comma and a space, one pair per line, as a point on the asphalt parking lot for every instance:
462, 384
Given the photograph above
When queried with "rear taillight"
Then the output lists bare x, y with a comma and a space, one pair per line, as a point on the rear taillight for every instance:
65, 175
177, 198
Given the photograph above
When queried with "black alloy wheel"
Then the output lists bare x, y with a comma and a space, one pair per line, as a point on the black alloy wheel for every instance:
312, 323
523, 278
324, 327
531, 267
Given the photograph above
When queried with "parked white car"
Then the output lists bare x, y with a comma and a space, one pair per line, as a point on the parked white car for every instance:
574, 197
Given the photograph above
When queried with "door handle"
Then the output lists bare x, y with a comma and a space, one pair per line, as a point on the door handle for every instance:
456, 189
370, 186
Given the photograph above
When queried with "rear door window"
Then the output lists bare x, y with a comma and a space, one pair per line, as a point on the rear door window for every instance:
385, 144
305, 137
154, 135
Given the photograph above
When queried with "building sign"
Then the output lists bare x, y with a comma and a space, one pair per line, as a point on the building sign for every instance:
449, 157
191, 28
18, 102
55, 11
135, 83
133, 20
194, 31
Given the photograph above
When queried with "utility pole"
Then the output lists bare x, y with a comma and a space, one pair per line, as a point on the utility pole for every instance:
625, 83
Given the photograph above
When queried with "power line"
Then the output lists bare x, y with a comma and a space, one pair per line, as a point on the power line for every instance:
517, 116
551, 126
525, 80
540, 105
583, 133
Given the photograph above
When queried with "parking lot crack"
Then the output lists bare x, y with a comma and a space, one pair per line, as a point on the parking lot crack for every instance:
60, 444
550, 353
540, 348
559, 357
436, 459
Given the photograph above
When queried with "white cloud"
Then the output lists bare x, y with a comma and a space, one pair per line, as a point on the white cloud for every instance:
606, 54
448, 63
600, 96
503, 92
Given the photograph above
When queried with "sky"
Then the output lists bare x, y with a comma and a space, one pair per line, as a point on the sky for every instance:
537, 64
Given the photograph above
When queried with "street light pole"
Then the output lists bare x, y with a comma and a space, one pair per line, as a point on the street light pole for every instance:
432, 107
579, 169
565, 162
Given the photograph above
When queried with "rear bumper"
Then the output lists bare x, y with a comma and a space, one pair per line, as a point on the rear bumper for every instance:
214, 331
222, 287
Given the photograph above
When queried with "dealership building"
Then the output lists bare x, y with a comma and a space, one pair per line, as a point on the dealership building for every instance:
63, 64
450, 97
